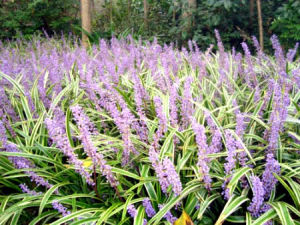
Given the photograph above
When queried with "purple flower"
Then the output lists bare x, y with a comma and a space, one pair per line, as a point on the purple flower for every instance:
231, 160
292, 52
258, 196
23, 163
231, 152
173, 106
150, 211
279, 55
165, 172
168, 216
60, 208
202, 155
216, 141
25, 189
186, 104
172, 176
159, 169
3, 138
268, 179
132, 212
250, 75
162, 120
60, 139
85, 125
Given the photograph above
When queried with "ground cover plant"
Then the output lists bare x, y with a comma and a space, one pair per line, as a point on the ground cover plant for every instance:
131, 132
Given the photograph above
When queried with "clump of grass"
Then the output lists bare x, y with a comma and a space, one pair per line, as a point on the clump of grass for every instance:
128, 133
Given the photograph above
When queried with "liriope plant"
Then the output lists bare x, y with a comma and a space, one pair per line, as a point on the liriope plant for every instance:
138, 134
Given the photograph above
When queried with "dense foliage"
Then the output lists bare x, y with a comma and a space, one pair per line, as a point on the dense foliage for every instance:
23, 17
167, 20
126, 130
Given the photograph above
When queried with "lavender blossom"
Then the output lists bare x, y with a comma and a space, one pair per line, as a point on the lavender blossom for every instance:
216, 142
60, 208
162, 124
292, 52
173, 106
258, 196
268, 179
3, 138
85, 125
202, 148
186, 104
159, 169
231, 152
239, 130
23, 163
172, 176
57, 135
168, 216
150, 211
250, 68
279, 55
231, 160
165, 172
132, 212
25, 189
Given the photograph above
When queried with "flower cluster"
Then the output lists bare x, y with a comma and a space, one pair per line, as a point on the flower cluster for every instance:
84, 125
202, 155
165, 172
59, 137
258, 196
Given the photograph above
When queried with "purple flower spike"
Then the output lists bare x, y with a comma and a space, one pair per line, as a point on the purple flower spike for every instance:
258, 196
269, 180
202, 155
85, 126
148, 208
132, 212
60, 208
57, 134
25, 189
168, 216
165, 172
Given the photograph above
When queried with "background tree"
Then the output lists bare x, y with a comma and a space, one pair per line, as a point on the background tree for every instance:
260, 25
168, 20
86, 21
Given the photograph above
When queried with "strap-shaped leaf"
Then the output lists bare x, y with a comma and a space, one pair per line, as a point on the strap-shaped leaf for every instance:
139, 218
283, 213
206, 203
231, 206
47, 195
189, 189
236, 177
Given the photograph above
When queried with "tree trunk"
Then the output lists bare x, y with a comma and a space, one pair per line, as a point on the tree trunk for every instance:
86, 21
146, 11
260, 25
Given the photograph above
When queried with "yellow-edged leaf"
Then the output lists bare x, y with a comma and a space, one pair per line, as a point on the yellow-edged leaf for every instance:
184, 219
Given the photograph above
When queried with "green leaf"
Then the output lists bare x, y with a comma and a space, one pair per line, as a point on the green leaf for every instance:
231, 206
270, 214
139, 218
206, 203
74, 215
168, 206
283, 213
47, 196
236, 177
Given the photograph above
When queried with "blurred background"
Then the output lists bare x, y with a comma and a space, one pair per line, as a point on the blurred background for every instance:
169, 21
